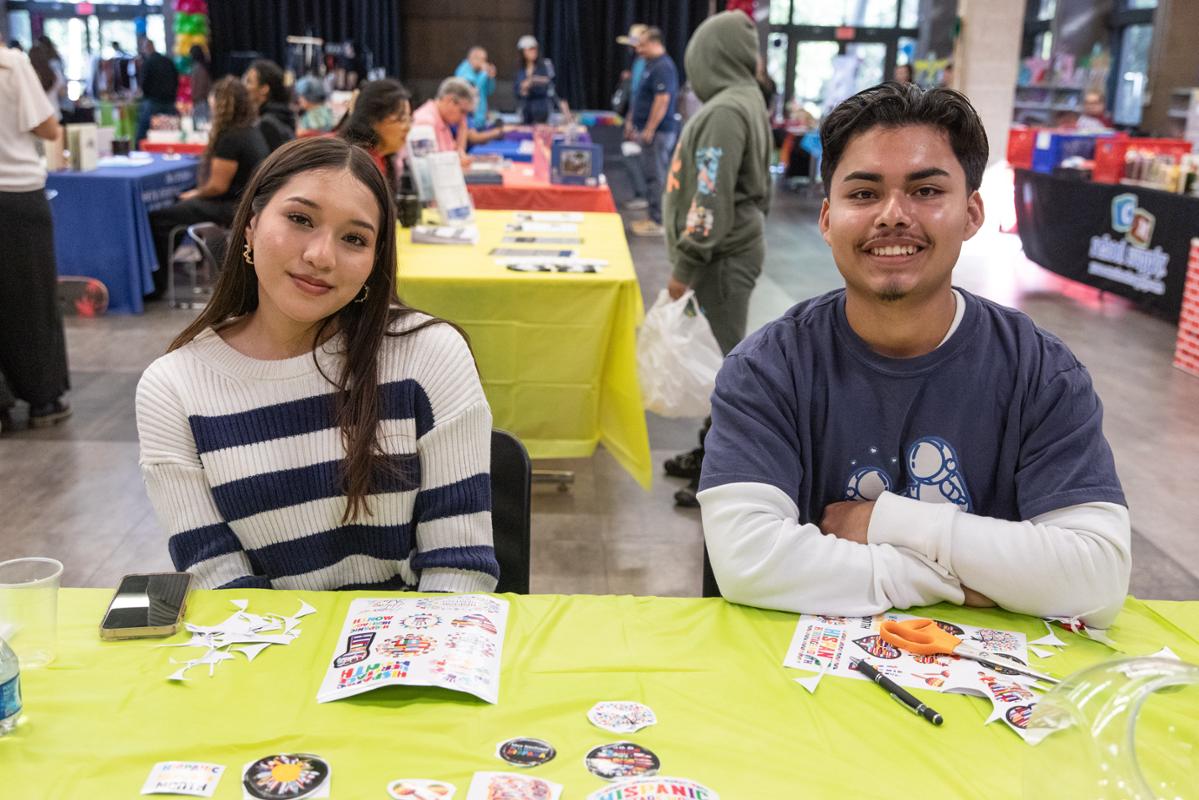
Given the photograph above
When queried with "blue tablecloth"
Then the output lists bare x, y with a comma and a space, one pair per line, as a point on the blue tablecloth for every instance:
508, 148
102, 224
510, 145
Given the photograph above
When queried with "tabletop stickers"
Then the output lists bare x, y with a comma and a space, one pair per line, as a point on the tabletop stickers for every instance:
454, 642
832, 644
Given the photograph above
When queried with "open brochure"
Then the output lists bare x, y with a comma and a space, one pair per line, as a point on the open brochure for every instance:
453, 641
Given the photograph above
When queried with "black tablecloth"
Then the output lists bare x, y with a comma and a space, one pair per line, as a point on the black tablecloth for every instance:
1127, 240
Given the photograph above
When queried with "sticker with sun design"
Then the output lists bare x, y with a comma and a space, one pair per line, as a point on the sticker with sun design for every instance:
286, 777
875, 646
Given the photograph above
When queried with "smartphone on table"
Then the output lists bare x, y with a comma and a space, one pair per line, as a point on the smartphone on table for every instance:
146, 606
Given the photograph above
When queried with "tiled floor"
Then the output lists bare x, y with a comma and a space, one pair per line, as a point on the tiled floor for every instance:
75, 492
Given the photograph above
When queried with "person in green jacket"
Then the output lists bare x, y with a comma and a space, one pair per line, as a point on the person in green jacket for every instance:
718, 192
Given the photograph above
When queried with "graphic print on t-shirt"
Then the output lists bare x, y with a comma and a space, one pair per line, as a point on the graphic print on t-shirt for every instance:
934, 476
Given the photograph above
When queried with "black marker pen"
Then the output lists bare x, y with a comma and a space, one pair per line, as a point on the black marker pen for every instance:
898, 693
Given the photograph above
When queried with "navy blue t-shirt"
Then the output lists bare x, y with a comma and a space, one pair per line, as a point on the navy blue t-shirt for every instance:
1001, 419
660, 77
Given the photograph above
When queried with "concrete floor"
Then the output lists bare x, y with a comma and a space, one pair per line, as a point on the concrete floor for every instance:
74, 492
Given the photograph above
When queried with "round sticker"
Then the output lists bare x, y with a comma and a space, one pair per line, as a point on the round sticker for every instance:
289, 775
621, 716
526, 752
621, 760
413, 789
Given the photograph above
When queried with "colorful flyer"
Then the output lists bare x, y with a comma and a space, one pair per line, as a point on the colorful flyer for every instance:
452, 641
510, 786
620, 760
833, 644
288, 776
654, 789
621, 716
418, 789
183, 777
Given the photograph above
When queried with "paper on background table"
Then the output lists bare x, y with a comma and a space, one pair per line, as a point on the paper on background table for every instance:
455, 642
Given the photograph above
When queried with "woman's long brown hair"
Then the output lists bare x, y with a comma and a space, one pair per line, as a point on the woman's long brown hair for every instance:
231, 109
363, 324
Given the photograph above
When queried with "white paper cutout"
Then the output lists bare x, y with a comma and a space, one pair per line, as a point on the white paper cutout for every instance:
1042, 652
1166, 652
255, 632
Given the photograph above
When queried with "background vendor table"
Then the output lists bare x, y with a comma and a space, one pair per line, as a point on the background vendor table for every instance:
521, 190
729, 715
557, 352
102, 223
1059, 219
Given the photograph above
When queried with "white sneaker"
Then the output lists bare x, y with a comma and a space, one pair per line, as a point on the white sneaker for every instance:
637, 204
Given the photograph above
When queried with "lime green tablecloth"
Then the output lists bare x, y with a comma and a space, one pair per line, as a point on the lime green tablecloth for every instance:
730, 716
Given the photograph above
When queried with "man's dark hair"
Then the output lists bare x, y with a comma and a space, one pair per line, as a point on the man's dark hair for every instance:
651, 34
892, 105
271, 75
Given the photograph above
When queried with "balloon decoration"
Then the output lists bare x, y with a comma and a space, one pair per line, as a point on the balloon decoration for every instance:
191, 29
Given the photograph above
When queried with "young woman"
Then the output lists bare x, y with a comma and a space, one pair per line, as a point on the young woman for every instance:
308, 430
235, 149
535, 91
380, 122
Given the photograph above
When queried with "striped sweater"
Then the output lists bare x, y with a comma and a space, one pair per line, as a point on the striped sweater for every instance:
241, 456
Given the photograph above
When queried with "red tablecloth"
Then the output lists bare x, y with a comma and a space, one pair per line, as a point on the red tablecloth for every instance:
182, 148
522, 192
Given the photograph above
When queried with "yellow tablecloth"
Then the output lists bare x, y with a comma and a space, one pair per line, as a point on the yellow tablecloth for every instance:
557, 352
729, 715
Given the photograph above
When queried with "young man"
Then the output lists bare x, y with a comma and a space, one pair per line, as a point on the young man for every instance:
476, 70
901, 442
655, 125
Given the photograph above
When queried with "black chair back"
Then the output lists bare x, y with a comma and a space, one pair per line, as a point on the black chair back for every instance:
511, 481
711, 588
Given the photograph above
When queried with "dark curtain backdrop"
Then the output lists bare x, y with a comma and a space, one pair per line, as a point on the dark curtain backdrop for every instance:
240, 26
579, 36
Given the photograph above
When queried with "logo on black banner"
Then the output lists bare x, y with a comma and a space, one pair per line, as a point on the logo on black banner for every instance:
1129, 260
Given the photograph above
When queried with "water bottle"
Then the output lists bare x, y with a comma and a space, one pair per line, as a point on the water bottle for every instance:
10, 688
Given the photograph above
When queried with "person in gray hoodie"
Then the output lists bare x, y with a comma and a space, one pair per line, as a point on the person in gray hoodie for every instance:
718, 192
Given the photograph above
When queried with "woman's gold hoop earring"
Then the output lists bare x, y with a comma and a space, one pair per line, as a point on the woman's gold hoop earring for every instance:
366, 290
248, 254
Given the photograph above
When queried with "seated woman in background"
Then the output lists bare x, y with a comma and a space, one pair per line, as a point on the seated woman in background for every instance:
309, 430
315, 114
379, 123
235, 149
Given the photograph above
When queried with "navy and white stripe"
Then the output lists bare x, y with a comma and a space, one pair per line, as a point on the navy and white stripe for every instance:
241, 459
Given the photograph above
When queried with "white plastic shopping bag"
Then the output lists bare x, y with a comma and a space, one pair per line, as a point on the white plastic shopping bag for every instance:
677, 358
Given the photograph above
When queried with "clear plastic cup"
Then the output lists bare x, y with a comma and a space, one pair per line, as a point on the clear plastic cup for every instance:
29, 608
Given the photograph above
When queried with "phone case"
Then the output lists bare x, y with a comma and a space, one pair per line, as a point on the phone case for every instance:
114, 634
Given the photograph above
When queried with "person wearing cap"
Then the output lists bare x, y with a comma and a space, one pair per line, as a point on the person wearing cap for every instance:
315, 114
476, 70
535, 84
634, 74
447, 114
655, 124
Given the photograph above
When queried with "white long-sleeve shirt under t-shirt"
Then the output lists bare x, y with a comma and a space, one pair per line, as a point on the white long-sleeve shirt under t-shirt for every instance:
1006, 485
